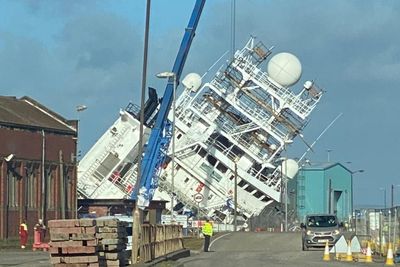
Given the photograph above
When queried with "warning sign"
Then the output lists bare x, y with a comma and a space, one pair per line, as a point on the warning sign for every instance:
198, 197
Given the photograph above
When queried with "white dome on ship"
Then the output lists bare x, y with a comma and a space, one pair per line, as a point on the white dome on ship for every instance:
284, 68
192, 81
290, 168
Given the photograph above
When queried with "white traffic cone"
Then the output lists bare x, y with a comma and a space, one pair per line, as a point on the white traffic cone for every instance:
368, 257
349, 256
389, 257
326, 257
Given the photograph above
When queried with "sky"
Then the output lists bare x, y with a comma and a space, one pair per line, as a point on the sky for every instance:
65, 53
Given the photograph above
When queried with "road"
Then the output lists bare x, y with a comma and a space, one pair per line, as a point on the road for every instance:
234, 249
261, 249
26, 258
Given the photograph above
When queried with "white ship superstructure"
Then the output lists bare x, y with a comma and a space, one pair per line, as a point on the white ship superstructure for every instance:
242, 119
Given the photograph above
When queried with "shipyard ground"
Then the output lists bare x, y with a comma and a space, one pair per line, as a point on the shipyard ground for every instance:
238, 249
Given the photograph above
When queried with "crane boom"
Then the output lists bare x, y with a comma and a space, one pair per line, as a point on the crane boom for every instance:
160, 135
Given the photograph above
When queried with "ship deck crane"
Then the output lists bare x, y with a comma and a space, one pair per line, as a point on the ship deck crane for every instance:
156, 149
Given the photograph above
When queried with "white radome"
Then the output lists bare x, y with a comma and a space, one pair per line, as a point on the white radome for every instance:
284, 68
192, 81
292, 168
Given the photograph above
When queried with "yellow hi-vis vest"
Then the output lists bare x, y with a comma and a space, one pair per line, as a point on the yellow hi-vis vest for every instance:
207, 229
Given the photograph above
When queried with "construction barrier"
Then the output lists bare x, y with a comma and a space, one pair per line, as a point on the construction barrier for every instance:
381, 226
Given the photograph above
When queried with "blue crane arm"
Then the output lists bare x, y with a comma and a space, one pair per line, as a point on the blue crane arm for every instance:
160, 135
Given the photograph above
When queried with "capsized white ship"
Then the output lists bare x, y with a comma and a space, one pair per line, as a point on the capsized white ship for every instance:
244, 118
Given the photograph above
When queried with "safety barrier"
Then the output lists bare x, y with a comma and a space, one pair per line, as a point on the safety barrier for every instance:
381, 225
160, 240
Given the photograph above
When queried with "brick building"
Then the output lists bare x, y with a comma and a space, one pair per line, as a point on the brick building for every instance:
37, 165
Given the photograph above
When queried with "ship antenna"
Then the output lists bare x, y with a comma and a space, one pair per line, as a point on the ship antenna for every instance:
321, 134
215, 63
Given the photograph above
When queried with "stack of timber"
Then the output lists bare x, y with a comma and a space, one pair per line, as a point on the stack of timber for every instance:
112, 238
73, 243
88, 243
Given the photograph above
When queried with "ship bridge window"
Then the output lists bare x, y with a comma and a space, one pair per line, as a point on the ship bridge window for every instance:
186, 180
179, 136
250, 189
202, 152
242, 183
124, 170
209, 170
211, 160
222, 168
258, 194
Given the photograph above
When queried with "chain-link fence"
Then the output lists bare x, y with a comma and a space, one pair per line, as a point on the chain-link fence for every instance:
379, 226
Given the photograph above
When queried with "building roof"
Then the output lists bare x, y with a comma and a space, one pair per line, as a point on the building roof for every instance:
28, 113
324, 166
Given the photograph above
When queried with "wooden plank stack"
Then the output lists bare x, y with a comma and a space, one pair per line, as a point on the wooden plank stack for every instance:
88, 243
112, 240
73, 243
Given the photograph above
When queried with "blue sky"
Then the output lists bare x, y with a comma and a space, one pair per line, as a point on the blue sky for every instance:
67, 52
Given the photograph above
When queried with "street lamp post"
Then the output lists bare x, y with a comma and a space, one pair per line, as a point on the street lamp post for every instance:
392, 194
235, 200
172, 75
351, 214
79, 109
329, 154
285, 180
384, 196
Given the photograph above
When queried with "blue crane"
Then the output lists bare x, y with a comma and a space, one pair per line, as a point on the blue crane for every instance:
160, 136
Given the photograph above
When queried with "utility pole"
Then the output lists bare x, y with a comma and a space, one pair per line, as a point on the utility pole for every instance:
137, 224
392, 196
235, 199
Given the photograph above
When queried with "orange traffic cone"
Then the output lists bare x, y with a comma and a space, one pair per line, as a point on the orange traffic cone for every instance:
368, 257
349, 256
326, 253
389, 257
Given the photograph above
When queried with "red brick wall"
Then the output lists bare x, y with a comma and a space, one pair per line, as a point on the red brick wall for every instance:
27, 147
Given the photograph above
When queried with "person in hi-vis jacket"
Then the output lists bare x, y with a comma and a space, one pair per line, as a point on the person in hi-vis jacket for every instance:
23, 234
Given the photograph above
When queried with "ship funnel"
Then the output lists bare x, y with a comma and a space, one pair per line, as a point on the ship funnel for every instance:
192, 81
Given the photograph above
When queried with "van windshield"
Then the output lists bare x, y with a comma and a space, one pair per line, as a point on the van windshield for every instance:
321, 221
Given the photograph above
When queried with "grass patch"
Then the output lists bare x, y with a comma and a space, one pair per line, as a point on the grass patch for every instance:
193, 243
12, 244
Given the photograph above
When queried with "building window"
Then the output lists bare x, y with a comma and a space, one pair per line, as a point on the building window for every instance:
186, 180
12, 190
50, 189
30, 190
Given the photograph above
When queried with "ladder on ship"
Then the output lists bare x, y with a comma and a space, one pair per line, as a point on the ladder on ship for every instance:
82, 182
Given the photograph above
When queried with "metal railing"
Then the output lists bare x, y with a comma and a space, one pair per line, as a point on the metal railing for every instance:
381, 226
